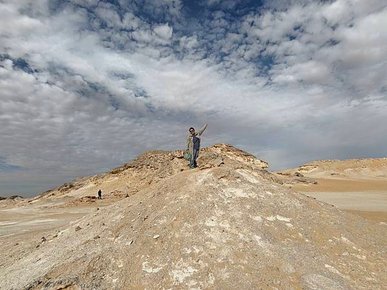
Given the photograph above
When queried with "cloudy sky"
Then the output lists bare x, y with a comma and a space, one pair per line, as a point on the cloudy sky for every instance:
86, 85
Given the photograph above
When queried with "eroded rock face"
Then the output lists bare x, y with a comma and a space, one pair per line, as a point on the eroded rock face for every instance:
225, 225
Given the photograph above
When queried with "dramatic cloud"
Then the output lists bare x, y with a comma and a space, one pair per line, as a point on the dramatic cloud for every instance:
87, 85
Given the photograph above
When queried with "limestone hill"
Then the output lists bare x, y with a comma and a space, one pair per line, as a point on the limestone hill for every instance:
229, 224
149, 168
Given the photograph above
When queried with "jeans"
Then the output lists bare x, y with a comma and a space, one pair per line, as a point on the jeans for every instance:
192, 162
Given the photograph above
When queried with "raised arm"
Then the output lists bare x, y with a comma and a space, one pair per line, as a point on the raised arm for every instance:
200, 132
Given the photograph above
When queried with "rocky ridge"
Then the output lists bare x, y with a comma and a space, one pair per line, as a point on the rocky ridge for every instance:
148, 168
228, 224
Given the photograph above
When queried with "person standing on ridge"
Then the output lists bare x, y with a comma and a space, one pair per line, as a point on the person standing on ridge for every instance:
193, 144
99, 194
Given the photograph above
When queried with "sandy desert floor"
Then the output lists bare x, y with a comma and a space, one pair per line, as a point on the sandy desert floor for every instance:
37, 218
367, 198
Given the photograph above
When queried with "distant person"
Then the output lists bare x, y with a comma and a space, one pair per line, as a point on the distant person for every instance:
193, 145
99, 194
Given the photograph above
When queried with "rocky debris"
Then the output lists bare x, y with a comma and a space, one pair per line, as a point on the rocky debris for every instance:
290, 178
11, 201
88, 198
12, 197
307, 168
117, 193
209, 160
65, 187
225, 226
233, 154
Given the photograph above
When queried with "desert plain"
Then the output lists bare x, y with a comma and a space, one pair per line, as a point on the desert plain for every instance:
358, 186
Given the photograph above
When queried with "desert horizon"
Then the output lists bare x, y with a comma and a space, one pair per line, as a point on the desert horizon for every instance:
347, 185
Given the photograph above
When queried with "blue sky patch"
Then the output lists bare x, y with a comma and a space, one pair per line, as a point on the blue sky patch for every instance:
6, 167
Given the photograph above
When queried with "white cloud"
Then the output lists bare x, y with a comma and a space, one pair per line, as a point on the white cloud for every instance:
189, 43
291, 84
163, 31
14, 24
310, 72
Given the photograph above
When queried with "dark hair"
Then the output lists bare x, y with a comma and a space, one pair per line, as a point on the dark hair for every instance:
192, 128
